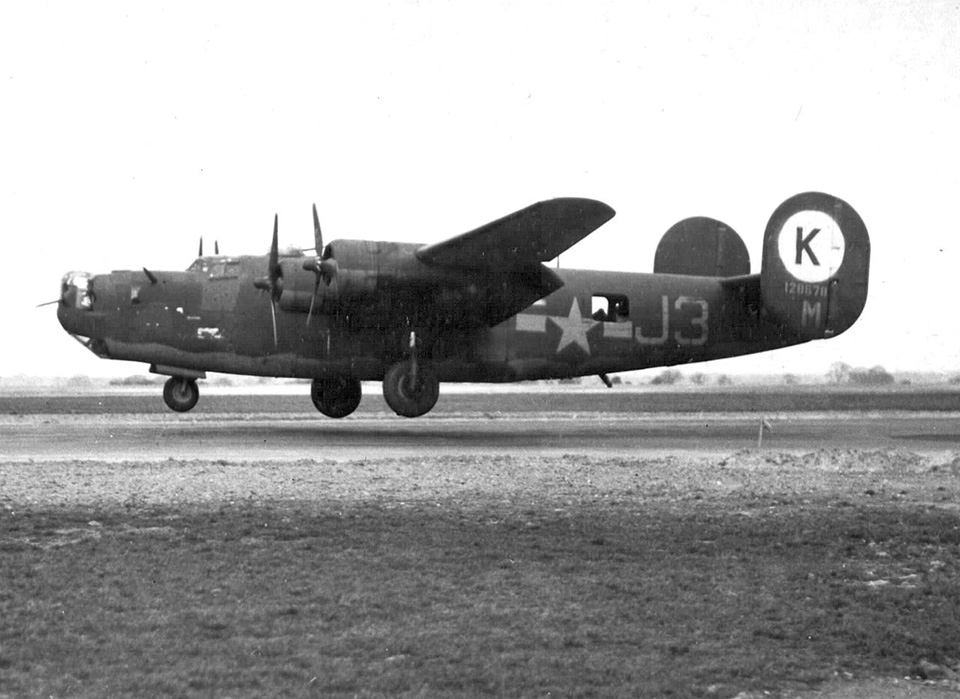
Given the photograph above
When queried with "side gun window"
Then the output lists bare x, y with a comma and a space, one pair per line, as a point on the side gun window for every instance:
610, 308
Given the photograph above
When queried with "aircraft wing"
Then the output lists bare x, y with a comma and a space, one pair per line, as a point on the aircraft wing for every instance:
527, 237
504, 259
477, 279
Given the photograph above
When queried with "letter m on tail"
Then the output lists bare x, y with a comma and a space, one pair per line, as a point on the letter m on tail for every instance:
810, 315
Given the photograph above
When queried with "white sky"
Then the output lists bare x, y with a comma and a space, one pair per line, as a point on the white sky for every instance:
131, 129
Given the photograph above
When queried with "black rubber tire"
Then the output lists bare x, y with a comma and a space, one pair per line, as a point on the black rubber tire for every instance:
406, 399
180, 394
336, 396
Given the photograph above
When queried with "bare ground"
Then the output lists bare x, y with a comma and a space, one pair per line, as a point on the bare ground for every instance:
831, 573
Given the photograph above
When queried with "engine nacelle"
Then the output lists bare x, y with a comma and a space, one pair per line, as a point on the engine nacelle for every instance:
355, 272
816, 258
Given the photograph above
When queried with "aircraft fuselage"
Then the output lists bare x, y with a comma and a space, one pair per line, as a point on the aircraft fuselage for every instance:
598, 322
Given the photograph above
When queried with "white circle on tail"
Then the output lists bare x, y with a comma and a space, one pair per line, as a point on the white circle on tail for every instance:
811, 246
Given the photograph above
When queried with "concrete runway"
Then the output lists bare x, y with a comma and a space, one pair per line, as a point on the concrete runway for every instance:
249, 437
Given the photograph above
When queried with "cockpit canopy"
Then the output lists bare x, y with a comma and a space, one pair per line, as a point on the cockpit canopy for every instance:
226, 267
216, 267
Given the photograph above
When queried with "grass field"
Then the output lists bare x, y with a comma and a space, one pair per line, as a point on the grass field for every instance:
484, 576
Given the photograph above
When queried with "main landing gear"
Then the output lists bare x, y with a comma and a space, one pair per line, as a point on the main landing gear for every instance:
411, 388
336, 396
180, 393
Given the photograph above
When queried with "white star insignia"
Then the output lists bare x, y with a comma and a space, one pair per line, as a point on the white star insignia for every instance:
574, 329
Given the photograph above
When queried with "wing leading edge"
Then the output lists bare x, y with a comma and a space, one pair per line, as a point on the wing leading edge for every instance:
527, 237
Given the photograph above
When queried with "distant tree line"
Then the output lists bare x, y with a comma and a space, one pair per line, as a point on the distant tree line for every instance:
667, 377
671, 377
137, 381
842, 373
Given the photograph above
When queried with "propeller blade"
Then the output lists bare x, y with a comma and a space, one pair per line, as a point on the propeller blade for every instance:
216, 247
313, 299
274, 249
48, 303
273, 315
200, 252
317, 235
274, 271
320, 267
272, 281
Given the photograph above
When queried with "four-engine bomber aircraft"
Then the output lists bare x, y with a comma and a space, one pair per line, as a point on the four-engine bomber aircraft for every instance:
479, 307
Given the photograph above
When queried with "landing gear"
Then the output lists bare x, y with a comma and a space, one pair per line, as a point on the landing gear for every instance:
411, 388
180, 393
336, 396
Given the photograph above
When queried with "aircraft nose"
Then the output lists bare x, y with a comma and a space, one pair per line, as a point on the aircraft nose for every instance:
75, 311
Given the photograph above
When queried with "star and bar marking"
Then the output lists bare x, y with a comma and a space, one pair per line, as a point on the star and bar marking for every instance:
573, 327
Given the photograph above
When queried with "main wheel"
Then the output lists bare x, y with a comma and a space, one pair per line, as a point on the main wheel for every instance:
336, 396
409, 394
180, 393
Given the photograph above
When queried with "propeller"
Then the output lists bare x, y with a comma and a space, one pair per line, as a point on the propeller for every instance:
273, 317
274, 271
273, 282
317, 234
324, 267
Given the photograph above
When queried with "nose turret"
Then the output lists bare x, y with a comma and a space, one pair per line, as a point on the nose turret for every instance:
77, 309
76, 291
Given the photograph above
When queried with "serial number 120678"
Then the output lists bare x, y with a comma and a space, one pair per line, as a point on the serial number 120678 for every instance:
802, 289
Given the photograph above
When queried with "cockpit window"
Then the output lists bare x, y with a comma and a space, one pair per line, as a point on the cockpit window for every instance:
225, 269
216, 267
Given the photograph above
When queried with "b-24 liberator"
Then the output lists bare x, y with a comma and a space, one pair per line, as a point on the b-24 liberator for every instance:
479, 307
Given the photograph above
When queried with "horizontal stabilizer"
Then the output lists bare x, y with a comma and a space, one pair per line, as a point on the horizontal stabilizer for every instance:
532, 235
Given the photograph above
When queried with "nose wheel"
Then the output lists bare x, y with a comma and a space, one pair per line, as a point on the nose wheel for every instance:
180, 393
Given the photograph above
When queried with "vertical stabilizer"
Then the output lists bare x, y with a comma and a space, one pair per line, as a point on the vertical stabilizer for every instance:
816, 259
